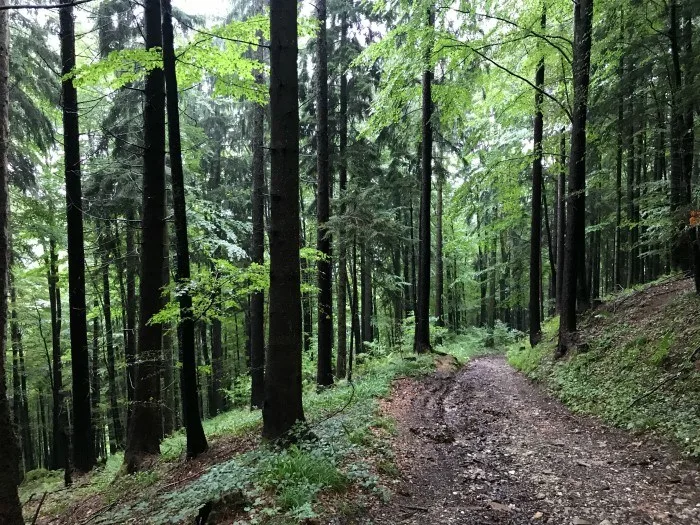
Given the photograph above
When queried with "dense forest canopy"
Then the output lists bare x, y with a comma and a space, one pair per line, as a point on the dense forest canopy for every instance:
211, 206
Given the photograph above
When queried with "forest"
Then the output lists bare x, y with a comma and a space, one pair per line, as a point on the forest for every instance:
280, 261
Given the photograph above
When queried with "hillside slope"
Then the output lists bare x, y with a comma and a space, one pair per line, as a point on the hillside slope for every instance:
639, 363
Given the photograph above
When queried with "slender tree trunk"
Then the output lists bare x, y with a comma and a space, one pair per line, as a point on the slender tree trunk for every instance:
341, 358
421, 343
680, 248
283, 407
98, 423
145, 424
366, 292
10, 509
574, 258
83, 442
117, 437
257, 298
324, 370
131, 340
561, 223
439, 263
618, 185
59, 448
536, 223
196, 440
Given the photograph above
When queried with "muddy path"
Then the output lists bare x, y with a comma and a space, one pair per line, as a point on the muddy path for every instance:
485, 446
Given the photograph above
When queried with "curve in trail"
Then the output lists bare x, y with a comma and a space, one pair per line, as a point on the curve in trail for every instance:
486, 446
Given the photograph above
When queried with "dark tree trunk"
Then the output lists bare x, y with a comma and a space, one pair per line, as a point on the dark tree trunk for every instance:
561, 222
98, 423
10, 509
196, 440
618, 185
59, 448
341, 358
83, 442
439, 263
145, 423
574, 285
680, 181
257, 298
283, 407
324, 368
536, 223
366, 292
354, 311
131, 340
116, 441
421, 342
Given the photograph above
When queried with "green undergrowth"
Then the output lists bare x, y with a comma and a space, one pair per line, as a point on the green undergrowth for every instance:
638, 368
268, 485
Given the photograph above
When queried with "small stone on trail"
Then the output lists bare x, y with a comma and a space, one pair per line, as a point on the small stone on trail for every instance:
500, 506
541, 495
580, 521
538, 515
582, 463
680, 501
605, 522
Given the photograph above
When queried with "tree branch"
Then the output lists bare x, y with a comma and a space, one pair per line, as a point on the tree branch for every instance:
43, 6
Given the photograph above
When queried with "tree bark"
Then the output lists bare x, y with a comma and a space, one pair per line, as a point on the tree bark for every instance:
439, 263
131, 340
283, 389
257, 298
83, 442
324, 363
536, 223
10, 509
574, 286
341, 358
421, 343
561, 222
196, 440
145, 423
116, 441
98, 423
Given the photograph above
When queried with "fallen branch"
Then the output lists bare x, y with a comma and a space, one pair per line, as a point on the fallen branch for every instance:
29, 500
413, 507
657, 387
36, 514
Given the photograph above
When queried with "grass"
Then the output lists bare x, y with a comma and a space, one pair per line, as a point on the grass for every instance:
350, 449
636, 376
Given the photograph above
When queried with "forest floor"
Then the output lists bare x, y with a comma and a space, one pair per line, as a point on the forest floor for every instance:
484, 445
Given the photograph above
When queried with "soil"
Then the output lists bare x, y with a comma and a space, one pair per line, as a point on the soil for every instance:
483, 445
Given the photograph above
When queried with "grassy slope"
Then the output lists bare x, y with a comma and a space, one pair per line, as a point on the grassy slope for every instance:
262, 485
641, 370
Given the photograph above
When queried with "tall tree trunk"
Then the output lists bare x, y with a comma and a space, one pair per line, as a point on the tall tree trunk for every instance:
680, 197
574, 257
439, 263
196, 440
341, 356
561, 223
536, 223
618, 184
421, 343
116, 441
145, 423
631, 167
83, 442
366, 292
131, 340
98, 423
59, 448
283, 407
10, 509
257, 298
324, 368
17, 397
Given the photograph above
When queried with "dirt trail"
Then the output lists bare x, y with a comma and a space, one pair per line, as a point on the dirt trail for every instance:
484, 445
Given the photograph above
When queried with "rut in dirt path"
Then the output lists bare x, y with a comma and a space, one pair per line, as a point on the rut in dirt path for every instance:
485, 446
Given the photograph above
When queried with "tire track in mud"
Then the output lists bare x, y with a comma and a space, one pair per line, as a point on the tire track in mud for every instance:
485, 446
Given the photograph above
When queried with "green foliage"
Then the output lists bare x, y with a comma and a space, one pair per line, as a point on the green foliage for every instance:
641, 383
